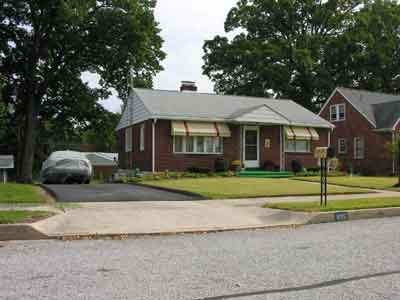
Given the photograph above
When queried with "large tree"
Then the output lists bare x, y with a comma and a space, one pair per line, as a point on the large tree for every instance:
278, 47
47, 45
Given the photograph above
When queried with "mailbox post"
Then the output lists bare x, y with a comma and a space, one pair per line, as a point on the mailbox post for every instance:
323, 154
6, 162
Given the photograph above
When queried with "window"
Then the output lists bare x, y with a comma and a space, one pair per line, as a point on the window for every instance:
342, 146
337, 112
141, 147
197, 144
297, 146
128, 139
359, 148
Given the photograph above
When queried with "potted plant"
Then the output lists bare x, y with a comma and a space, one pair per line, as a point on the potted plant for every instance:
236, 165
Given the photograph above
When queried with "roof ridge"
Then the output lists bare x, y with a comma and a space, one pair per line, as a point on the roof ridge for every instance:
368, 91
213, 94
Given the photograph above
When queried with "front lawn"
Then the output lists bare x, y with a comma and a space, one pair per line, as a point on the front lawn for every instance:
359, 181
234, 187
21, 193
22, 216
335, 205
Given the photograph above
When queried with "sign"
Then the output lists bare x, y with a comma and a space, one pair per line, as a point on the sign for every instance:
321, 152
267, 143
6, 162
341, 216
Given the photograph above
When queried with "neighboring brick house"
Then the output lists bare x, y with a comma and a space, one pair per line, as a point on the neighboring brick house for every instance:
171, 130
365, 122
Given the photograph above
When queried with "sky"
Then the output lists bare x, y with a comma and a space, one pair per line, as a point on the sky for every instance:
185, 25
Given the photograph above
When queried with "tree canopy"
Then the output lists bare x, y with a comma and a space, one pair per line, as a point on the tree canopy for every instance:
303, 49
47, 45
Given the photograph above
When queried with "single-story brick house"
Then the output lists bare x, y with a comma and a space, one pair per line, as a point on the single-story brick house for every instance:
365, 122
172, 130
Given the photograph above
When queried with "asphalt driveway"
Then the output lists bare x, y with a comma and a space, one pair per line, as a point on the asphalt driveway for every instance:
113, 193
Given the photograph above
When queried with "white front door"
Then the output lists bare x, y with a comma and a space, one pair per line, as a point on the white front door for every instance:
251, 146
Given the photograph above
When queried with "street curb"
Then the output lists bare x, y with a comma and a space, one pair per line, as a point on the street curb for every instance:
48, 191
123, 236
352, 215
13, 232
185, 193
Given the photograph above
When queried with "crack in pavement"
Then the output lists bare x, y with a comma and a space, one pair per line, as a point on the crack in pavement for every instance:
304, 287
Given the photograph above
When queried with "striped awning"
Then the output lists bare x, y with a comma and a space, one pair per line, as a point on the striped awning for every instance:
184, 128
301, 133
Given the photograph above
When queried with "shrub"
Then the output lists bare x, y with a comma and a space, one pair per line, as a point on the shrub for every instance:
220, 165
296, 167
236, 165
269, 166
199, 170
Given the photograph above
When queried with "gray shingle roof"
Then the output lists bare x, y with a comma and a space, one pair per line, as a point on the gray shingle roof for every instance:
382, 110
212, 107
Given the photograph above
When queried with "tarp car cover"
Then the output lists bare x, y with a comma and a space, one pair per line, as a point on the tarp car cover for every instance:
62, 164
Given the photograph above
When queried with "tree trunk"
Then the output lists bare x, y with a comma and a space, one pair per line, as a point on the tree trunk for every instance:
28, 140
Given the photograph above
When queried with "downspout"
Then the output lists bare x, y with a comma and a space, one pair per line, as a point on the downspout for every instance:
394, 155
283, 153
281, 147
153, 146
329, 137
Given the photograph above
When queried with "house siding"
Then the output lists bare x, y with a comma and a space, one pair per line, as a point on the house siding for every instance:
376, 158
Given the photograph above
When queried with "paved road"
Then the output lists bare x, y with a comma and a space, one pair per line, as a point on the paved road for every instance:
113, 193
350, 260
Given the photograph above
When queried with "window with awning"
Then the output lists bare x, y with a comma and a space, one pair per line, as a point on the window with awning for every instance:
301, 133
205, 129
298, 139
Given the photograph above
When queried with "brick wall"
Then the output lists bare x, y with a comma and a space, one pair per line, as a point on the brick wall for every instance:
376, 159
167, 160
308, 160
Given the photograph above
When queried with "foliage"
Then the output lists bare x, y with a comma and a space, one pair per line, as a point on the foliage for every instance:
304, 49
47, 45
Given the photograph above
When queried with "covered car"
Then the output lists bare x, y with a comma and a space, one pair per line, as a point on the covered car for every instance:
66, 167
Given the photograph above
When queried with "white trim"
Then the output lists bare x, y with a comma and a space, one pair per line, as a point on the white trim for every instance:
153, 146
195, 145
128, 139
329, 138
346, 146
394, 155
395, 124
142, 133
337, 113
355, 147
338, 90
251, 163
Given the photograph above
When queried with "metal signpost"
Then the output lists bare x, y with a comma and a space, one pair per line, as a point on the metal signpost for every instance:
323, 154
6, 162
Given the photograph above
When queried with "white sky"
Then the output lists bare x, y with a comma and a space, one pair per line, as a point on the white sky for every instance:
185, 24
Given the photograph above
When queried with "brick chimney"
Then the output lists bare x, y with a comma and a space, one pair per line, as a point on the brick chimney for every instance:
188, 86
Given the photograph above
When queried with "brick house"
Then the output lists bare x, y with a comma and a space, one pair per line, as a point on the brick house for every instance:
365, 122
172, 130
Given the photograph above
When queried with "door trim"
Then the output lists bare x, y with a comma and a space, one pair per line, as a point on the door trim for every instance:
251, 163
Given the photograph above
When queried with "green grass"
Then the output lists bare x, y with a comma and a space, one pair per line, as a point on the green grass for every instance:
234, 187
21, 193
335, 205
22, 216
359, 181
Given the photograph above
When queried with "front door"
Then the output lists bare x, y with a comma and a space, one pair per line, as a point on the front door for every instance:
251, 149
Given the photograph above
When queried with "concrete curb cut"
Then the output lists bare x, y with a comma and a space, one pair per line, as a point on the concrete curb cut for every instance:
186, 193
352, 215
48, 191
10, 232
13, 232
